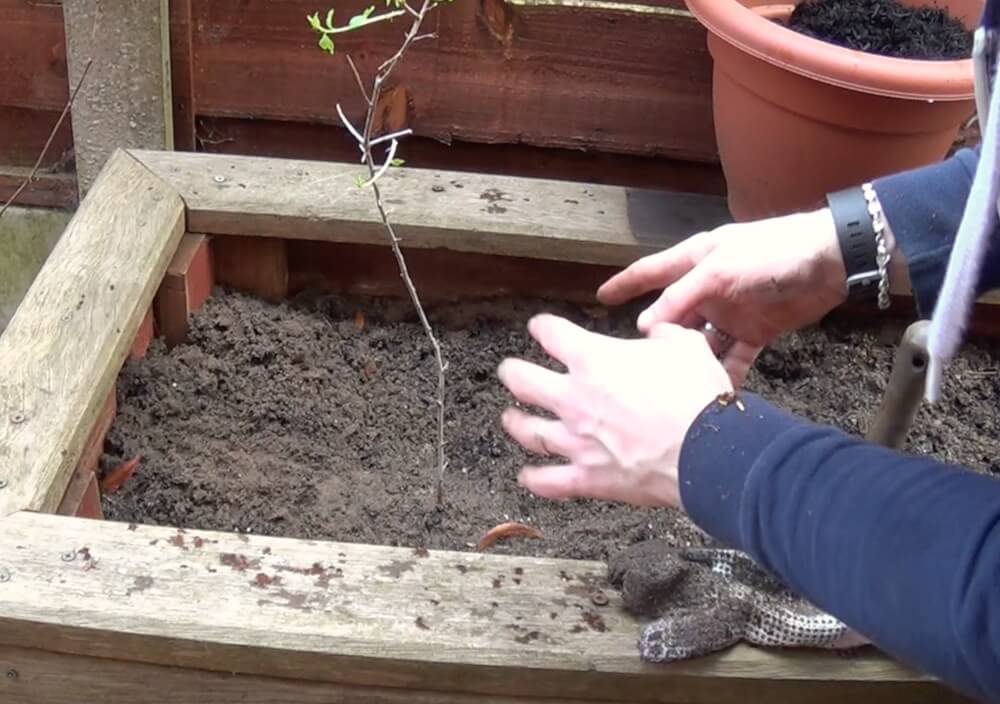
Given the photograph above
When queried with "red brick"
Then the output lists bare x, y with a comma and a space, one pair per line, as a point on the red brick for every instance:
144, 337
82, 493
186, 285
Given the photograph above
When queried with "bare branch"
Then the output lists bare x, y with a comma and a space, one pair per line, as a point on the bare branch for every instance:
366, 142
357, 77
48, 142
385, 167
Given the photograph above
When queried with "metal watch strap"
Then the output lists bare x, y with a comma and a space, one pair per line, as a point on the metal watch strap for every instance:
860, 232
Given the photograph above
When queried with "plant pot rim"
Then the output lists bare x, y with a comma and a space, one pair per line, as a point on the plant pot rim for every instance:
755, 34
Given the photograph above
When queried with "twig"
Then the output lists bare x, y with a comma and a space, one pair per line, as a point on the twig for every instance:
366, 142
357, 77
48, 142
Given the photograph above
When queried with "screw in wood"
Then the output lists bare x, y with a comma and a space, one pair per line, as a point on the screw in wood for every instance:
3, 483
4, 575
69, 556
12, 674
599, 598
16, 418
219, 179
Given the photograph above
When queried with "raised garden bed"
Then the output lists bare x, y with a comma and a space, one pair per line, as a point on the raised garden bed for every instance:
121, 609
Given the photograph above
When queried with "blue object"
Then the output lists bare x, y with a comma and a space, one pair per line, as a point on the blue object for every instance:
904, 549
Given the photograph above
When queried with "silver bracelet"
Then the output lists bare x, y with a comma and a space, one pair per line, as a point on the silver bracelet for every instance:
882, 256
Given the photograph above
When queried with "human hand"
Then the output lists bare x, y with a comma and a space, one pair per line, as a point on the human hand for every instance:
622, 408
754, 281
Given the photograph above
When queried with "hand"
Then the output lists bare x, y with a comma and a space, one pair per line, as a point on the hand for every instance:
754, 281
622, 410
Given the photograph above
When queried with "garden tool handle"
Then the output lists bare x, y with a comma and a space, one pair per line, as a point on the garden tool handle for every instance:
905, 389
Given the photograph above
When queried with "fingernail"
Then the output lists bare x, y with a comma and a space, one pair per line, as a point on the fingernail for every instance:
644, 320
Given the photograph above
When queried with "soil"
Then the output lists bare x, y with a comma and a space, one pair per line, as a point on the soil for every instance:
885, 27
313, 418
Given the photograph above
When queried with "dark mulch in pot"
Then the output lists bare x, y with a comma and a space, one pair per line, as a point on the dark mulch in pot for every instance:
884, 27
306, 419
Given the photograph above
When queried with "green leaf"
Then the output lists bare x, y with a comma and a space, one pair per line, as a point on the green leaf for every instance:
358, 20
359, 181
329, 18
325, 43
397, 162
314, 21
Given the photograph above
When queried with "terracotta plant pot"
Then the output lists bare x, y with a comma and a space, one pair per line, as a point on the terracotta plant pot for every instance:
796, 117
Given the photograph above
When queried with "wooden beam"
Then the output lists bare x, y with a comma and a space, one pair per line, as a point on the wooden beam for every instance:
374, 616
48, 190
65, 344
463, 212
466, 212
127, 99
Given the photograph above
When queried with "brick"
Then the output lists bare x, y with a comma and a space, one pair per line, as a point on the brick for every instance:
255, 265
185, 288
144, 337
82, 494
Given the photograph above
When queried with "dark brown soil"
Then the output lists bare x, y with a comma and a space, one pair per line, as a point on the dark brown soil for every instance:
314, 419
885, 27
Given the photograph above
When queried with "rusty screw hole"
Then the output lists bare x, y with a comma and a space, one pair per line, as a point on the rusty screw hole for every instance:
599, 598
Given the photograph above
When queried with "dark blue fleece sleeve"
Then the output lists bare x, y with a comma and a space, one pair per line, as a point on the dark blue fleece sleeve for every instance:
924, 208
903, 549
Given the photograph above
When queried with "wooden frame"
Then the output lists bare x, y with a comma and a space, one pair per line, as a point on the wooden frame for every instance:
95, 610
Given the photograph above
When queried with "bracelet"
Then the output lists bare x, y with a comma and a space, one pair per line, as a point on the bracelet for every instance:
882, 255
861, 232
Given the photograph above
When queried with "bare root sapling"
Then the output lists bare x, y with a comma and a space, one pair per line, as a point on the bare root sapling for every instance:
367, 140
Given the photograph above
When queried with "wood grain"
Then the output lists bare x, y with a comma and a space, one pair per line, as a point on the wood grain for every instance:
600, 78
318, 142
47, 191
466, 212
49, 678
33, 55
375, 616
71, 333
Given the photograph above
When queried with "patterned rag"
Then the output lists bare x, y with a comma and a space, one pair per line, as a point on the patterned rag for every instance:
698, 601
979, 220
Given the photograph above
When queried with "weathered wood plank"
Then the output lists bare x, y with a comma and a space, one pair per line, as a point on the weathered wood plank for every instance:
66, 342
39, 677
320, 142
126, 102
465, 212
46, 191
600, 77
374, 616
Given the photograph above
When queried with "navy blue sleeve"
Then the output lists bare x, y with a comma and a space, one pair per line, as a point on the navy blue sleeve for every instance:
924, 208
903, 549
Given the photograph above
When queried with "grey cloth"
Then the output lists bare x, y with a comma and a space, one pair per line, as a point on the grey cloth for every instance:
699, 601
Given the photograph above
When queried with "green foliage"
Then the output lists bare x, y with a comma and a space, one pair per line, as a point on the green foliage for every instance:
327, 28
